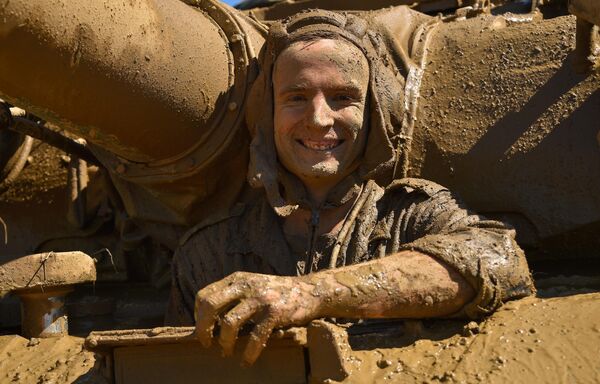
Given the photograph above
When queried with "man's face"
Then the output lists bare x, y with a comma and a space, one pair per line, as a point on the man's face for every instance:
320, 91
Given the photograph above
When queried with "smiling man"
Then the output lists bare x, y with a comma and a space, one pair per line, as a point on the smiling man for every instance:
320, 90
328, 232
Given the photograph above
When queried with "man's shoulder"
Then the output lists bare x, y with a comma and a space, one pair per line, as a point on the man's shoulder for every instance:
211, 223
411, 185
231, 223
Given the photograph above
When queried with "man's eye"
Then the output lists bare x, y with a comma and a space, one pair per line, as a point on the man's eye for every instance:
344, 97
296, 98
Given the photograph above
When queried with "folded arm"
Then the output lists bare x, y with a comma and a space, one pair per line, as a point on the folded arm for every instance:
404, 285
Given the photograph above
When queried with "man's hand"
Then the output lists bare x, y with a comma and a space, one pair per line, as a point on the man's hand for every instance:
269, 301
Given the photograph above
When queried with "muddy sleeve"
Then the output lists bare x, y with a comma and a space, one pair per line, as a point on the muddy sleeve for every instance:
433, 221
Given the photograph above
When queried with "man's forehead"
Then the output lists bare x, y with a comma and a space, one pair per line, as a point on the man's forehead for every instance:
350, 85
324, 49
318, 54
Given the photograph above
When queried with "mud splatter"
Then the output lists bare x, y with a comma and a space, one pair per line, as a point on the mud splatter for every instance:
530, 340
55, 360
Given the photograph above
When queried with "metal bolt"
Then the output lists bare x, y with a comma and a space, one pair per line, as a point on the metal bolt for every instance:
43, 313
42, 281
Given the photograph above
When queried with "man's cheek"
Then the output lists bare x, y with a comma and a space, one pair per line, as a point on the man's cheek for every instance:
354, 120
287, 120
355, 129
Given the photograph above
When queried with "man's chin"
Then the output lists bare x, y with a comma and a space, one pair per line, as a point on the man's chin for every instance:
328, 171
323, 170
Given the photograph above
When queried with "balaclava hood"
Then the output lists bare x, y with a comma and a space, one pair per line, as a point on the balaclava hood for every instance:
384, 108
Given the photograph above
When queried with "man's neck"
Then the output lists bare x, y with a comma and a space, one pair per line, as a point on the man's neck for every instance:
318, 191
330, 221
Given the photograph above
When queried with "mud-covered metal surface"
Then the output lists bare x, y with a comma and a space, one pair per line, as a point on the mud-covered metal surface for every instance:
278, 9
532, 340
507, 122
130, 44
46, 270
130, 77
56, 360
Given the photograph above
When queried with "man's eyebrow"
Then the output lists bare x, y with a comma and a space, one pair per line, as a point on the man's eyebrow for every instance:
294, 88
350, 87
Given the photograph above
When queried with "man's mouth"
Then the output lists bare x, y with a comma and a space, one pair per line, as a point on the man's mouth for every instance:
320, 145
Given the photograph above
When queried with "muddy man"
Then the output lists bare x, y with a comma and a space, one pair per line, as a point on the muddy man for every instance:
327, 231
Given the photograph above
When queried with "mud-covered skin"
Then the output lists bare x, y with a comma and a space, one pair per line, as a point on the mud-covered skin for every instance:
273, 301
404, 285
320, 93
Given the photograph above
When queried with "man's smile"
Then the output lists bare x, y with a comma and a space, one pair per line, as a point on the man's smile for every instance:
320, 145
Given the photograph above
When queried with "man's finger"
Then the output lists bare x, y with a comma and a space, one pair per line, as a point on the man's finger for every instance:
233, 321
258, 340
209, 303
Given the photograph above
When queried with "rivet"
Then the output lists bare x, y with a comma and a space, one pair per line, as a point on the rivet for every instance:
232, 106
121, 168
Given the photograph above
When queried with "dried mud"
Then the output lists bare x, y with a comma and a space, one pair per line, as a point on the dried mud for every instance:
506, 122
527, 341
46, 270
160, 61
54, 360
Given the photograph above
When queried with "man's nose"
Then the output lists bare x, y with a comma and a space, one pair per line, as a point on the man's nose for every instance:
321, 114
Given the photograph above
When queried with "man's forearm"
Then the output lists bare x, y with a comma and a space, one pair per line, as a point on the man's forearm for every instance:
403, 285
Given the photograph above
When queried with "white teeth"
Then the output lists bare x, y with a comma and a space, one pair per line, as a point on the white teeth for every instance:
320, 145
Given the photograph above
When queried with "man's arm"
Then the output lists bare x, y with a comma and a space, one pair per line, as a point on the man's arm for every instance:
404, 285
